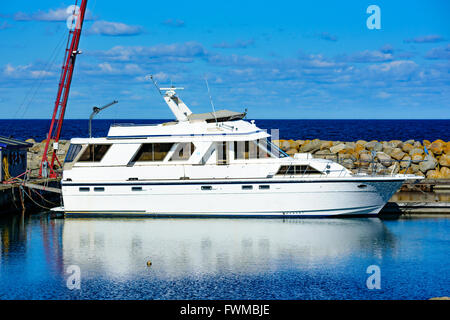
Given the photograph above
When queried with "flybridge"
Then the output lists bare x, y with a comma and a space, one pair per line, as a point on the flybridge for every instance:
222, 125
183, 113
199, 131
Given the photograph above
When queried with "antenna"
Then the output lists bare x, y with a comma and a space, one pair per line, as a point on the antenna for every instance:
95, 111
150, 77
211, 100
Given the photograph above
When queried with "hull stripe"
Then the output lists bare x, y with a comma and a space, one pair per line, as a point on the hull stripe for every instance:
137, 183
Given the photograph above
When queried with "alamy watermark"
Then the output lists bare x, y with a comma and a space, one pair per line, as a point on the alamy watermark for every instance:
374, 20
374, 280
73, 281
73, 21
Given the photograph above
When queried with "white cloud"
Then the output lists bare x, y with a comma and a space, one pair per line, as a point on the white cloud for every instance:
52, 15
107, 28
181, 52
25, 72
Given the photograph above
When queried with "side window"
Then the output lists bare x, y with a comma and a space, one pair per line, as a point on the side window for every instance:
297, 170
94, 153
183, 151
222, 152
152, 152
72, 153
246, 150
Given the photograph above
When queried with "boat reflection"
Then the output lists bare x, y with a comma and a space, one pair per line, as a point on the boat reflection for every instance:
189, 247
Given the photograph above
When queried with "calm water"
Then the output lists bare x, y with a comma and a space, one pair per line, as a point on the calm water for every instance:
344, 130
224, 258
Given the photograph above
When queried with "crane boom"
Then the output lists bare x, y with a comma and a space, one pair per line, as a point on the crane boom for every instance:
63, 91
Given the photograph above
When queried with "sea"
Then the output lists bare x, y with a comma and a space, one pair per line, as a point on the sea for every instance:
223, 259
42, 257
336, 130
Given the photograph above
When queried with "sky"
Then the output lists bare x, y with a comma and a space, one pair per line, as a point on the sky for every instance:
277, 59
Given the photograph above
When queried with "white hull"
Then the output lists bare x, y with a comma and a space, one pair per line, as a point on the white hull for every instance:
284, 198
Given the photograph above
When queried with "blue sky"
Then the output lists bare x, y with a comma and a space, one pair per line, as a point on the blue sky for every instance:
278, 59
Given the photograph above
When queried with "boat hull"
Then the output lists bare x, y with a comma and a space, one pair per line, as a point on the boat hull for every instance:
261, 198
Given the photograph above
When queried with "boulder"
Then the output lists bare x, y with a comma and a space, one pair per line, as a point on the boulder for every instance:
418, 173
299, 142
293, 144
388, 150
429, 163
433, 174
405, 171
326, 145
322, 152
415, 168
444, 160
446, 149
284, 145
394, 168
396, 143
411, 142
384, 159
350, 145
388, 144
407, 147
337, 148
416, 158
417, 144
445, 173
374, 145
406, 161
292, 151
365, 158
415, 150
311, 146
437, 147
359, 148
397, 154
348, 163
361, 142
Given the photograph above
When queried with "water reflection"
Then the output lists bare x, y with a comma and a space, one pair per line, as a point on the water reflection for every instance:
31, 242
183, 247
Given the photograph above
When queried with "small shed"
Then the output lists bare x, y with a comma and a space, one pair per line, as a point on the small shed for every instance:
13, 156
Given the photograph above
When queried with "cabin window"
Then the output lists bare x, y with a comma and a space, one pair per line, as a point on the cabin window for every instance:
247, 187
297, 170
264, 187
206, 188
72, 153
94, 153
99, 189
183, 151
222, 152
136, 188
152, 152
250, 149
84, 189
241, 150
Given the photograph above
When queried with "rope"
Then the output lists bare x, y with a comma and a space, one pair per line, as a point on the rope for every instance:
40, 195
29, 196
6, 168
37, 85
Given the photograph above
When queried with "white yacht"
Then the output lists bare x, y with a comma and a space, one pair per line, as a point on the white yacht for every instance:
212, 164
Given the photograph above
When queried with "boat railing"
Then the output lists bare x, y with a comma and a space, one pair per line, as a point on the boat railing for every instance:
373, 166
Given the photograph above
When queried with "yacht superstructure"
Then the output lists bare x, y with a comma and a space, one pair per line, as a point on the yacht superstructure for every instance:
212, 164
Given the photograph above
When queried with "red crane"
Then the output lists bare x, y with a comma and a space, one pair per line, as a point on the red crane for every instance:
63, 91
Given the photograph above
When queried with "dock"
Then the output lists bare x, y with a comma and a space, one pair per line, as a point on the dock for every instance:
35, 196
